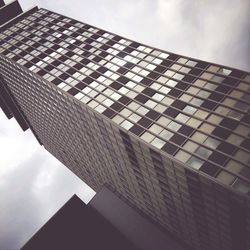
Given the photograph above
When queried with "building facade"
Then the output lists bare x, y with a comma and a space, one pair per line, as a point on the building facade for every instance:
168, 132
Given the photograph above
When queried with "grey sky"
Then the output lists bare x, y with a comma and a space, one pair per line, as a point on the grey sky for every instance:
33, 184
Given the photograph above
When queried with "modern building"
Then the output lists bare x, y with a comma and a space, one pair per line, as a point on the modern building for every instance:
107, 222
168, 132
78, 226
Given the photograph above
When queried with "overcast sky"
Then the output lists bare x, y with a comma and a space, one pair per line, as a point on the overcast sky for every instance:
33, 184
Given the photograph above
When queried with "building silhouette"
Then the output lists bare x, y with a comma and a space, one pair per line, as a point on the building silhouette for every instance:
98, 225
168, 132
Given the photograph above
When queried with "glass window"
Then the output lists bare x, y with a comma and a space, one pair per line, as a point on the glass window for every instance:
135, 106
151, 104
207, 76
225, 177
192, 90
212, 143
195, 162
126, 112
203, 152
155, 86
138, 88
222, 110
235, 139
166, 135
207, 128
163, 55
163, 121
201, 114
100, 108
242, 156
190, 146
203, 94
134, 118
158, 143
182, 156
242, 186
167, 100
182, 118
185, 98
155, 129
157, 97
195, 123
142, 110
199, 137
213, 68
126, 124
196, 102
160, 108
162, 79
147, 137
242, 130
174, 126
189, 109
79, 95
191, 63
118, 119
164, 90
215, 119
235, 115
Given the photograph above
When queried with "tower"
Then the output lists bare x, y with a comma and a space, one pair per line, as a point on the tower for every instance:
168, 132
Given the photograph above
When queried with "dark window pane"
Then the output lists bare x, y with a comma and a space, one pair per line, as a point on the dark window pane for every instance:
186, 130
209, 168
178, 139
137, 130
220, 132
218, 158
170, 148
227, 148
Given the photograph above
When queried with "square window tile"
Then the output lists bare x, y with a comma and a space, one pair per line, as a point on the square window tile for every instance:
195, 163
151, 104
134, 118
158, 143
199, 137
174, 126
126, 124
147, 137
209, 169
118, 119
182, 156
190, 110
163, 121
182, 118
165, 134
100, 108
190, 146
212, 143
157, 97
225, 177
203, 152
170, 148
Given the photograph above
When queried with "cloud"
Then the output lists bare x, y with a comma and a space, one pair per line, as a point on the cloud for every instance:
216, 31
34, 185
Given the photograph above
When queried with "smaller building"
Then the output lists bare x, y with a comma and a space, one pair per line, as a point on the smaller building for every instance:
107, 223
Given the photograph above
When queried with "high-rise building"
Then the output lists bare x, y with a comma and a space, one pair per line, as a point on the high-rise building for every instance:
168, 132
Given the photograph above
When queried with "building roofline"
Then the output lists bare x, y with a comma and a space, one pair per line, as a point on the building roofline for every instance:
18, 18
144, 44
